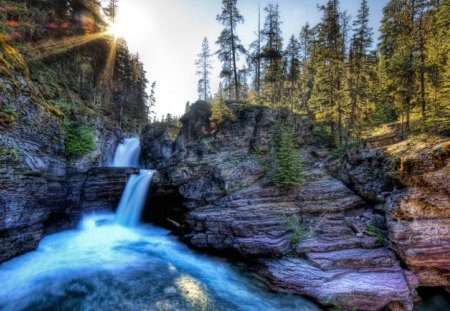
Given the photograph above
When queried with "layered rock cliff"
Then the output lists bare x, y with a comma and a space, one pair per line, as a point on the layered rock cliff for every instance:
409, 181
339, 241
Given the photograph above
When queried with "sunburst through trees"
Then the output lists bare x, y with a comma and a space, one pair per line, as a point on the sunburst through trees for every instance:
74, 47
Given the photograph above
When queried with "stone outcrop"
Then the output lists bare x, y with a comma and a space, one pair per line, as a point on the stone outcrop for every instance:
103, 188
320, 240
409, 181
32, 168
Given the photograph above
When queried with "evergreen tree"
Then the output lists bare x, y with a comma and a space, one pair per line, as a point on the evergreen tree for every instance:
255, 57
229, 42
288, 170
272, 54
204, 67
292, 55
397, 47
360, 68
307, 40
327, 94
111, 10
437, 50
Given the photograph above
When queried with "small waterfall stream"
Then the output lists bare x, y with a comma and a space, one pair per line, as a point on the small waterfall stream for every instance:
133, 198
127, 153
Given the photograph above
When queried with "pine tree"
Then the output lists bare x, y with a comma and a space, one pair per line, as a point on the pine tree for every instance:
204, 67
288, 170
398, 47
229, 42
272, 54
255, 58
307, 40
360, 69
327, 94
437, 50
111, 10
292, 55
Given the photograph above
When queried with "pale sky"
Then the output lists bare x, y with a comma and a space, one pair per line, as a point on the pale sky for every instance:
168, 34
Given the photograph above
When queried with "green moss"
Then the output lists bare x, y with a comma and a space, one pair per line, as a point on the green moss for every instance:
11, 62
79, 138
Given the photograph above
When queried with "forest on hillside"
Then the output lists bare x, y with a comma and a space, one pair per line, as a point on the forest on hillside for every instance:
82, 71
334, 71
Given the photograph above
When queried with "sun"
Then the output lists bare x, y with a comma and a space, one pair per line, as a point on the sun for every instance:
115, 30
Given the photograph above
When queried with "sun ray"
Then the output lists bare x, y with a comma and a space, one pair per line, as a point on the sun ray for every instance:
106, 78
52, 47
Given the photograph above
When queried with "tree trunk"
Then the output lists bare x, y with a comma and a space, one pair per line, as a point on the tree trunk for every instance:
233, 49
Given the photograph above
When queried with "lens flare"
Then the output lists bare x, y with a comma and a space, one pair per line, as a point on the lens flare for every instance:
114, 30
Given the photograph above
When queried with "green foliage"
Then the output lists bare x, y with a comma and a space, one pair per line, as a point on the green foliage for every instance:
220, 111
48, 81
8, 116
323, 135
341, 150
374, 229
288, 171
230, 45
207, 144
298, 231
395, 164
79, 138
12, 153
10, 111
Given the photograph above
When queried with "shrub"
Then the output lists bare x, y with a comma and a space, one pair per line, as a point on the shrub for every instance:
12, 153
299, 231
288, 171
322, 134
207, 144
79, 139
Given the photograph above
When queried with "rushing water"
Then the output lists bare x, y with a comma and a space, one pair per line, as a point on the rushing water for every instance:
133, 198
127, 153
112, 263
105, 266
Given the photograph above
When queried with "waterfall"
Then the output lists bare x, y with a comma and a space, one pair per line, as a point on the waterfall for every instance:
127, 153
133, 198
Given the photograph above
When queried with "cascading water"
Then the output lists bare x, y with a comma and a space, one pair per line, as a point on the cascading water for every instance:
133, 198
105, 265
127, 153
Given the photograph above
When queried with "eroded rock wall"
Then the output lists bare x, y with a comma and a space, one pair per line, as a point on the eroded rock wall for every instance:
41, 191
409, 182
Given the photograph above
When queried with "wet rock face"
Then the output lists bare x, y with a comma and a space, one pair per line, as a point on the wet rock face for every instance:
415, 196
32, 169
334, 252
